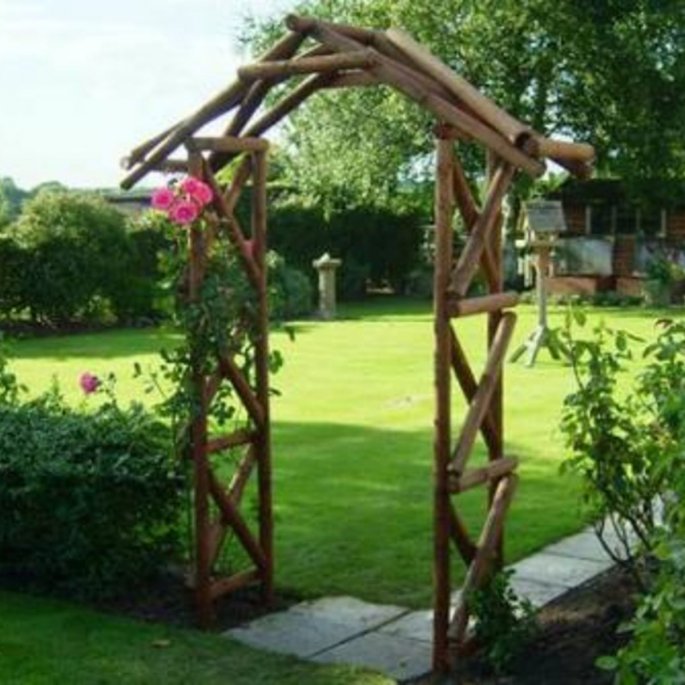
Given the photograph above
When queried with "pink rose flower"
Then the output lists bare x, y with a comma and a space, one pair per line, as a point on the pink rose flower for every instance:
184, 212
203, 193
89, 383
189, 184
197, 190
162, 198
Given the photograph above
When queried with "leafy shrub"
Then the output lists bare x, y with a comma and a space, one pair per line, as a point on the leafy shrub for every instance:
81, 262
290, 290
89, 502
382, 246
13, 268
10, 388
505, 624
618, 445
352, 279
643, 462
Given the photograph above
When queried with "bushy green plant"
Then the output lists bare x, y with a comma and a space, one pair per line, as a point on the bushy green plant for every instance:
380, 245
80, 260
90, 501
656, 651
505, 624
630, 450
10, 388
290, 291
617, 444
14, 262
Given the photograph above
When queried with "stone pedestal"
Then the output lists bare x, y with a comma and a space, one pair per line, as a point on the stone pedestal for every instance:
326, 266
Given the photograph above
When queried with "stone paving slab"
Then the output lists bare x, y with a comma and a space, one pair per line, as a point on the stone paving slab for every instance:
398, 641
399, 657
417, 625
291, 633
584, 545
537, 593
350, 611
553, 569
312, 627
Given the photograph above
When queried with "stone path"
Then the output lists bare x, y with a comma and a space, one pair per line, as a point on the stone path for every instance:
397, 640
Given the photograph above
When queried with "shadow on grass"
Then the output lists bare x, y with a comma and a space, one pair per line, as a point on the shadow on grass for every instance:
354, 510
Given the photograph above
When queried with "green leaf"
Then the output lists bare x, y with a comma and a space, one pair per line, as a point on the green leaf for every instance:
607, 663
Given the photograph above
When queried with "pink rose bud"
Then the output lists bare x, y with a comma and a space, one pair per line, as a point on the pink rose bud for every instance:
162, 198
89, 383
184, 212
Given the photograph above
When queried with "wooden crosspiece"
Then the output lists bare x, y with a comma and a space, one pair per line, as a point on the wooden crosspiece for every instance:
344, 56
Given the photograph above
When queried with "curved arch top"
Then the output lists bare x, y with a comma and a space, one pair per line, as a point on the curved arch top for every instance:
343, 56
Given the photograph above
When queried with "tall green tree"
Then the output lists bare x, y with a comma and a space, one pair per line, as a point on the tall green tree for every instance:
611, 72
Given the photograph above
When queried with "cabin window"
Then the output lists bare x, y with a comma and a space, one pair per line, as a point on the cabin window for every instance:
601, 219
626, 220
652, 222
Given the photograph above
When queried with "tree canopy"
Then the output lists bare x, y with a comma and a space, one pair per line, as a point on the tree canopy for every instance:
610, 72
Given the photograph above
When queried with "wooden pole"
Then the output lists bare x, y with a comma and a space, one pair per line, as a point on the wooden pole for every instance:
262, 442
480, 404
480, 237
427, 92
496, 450
220, 103
444, 207
198, 431
483, 562
358, 59
280, 110
496, 117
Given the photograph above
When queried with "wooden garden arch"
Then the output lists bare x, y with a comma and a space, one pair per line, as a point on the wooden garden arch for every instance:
342, 56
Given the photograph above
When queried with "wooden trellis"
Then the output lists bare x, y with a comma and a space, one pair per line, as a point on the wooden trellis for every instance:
342, 56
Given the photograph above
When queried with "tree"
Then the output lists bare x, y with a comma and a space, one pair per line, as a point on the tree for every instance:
11, 200
608, 72
80, 252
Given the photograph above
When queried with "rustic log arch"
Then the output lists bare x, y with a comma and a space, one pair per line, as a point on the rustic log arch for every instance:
347, 56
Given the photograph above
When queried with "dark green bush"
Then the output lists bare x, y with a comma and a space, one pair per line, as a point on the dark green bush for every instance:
656, 650
89, 502
381, 246
13, 267
81, 261
505, 624
290, 290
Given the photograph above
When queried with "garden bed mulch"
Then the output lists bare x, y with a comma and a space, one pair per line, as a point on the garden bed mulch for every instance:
167, 600
575, 630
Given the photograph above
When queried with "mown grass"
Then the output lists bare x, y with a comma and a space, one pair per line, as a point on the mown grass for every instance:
45, 642
353, 443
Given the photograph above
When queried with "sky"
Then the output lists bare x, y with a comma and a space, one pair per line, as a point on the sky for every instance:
84, 81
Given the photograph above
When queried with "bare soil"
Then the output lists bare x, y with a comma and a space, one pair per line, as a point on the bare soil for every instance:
575, 630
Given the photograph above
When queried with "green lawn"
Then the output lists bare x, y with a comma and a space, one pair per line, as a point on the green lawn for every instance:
352, 442
45, 642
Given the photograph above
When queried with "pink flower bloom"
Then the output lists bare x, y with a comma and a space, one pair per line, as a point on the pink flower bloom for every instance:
197, 190
203, 193
89, 383
184, 212
162, 198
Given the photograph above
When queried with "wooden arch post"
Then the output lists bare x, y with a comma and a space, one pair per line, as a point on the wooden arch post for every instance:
485, 399
210, 530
